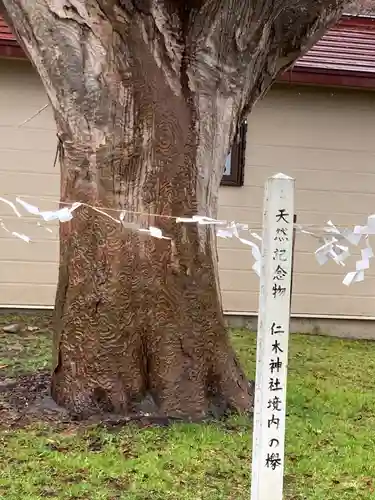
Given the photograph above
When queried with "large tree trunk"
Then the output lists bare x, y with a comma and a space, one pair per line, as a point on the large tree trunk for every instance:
147, 96
141, 317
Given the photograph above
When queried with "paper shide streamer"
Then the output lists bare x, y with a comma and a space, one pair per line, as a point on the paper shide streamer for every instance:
333, 243
223, 228
336, 248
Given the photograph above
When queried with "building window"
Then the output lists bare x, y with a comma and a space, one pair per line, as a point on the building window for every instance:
234, 167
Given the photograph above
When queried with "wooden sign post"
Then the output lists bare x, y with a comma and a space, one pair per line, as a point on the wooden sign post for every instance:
272, 339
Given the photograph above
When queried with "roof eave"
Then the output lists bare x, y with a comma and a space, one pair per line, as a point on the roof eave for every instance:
11, 50
358, 20
329, 78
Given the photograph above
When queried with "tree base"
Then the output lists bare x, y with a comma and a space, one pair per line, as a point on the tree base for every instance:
88, 397
102, 407
26, 400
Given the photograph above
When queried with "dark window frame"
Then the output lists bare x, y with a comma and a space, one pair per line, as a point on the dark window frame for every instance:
238, 153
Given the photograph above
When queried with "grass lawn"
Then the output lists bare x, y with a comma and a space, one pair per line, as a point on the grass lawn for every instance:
330, 436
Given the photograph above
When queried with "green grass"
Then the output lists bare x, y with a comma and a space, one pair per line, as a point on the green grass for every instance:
330, 438
26, 351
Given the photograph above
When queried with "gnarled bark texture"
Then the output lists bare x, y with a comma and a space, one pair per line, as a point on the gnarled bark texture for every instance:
147, 96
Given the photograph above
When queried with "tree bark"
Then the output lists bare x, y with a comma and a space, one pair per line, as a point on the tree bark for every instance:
147, 96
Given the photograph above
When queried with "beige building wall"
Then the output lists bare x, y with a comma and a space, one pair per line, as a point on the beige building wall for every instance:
28, 271
325, 140
322, 138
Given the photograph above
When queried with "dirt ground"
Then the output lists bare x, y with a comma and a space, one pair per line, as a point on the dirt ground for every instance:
25, 399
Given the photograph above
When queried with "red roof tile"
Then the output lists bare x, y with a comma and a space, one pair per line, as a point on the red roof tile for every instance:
9, 46
5, 32
348, 47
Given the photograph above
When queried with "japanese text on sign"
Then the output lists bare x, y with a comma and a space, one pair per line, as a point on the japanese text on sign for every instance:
272, 340
283, 235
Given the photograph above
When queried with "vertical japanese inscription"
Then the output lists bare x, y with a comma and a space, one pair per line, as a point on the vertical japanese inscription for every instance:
283, 233
280, 256
275, 403
272, 341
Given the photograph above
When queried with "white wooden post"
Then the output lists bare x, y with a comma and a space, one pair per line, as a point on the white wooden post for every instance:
272, 340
